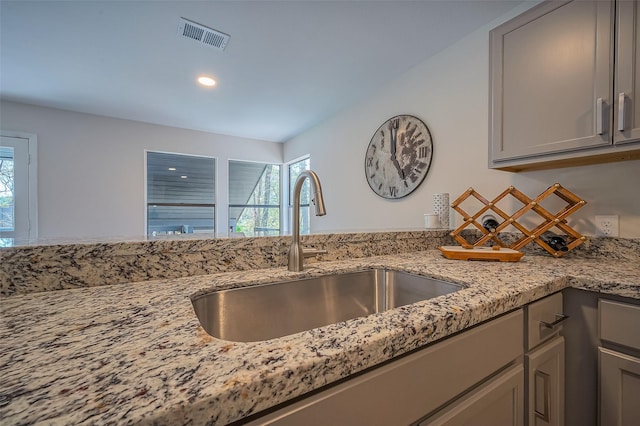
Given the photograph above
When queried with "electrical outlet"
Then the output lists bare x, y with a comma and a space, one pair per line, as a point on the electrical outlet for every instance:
607, 226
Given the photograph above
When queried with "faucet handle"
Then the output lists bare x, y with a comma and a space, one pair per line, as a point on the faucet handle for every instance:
312, 252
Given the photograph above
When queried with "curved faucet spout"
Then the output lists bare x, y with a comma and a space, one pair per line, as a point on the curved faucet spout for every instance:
317, 199
296, 252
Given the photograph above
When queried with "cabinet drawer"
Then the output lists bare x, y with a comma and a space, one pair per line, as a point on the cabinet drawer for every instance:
619, 323
544, 319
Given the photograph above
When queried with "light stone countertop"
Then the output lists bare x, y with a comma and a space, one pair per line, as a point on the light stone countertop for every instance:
136, 354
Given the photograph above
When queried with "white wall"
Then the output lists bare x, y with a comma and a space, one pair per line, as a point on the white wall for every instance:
91, 168
449, 92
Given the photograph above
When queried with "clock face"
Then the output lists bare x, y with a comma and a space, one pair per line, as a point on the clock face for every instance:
398, 157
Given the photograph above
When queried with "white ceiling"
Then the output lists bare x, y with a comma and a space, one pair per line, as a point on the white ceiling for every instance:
288, 65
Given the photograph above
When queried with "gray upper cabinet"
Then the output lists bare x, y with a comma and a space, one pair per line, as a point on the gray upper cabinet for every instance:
627, 79
552, 98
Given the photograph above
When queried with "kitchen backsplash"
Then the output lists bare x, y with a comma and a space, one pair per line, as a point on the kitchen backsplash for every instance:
47, 267
593, 247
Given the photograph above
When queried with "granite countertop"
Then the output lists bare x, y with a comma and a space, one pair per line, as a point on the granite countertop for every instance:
135, 353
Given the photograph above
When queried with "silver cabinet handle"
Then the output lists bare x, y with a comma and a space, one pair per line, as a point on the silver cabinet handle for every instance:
559, 319
542, 379
621, 100
599, 117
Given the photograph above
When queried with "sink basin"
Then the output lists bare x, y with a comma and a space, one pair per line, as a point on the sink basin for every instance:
268, 311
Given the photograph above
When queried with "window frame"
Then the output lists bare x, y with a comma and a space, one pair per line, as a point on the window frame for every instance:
280, 204
32, 146
214, 205
289, 202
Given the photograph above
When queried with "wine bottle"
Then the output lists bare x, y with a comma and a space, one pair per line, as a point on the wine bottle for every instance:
556, 242
490, 223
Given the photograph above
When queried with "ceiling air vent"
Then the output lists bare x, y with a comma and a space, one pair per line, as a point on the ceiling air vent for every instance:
203, 35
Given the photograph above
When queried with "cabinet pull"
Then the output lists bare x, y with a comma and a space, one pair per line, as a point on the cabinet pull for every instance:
559, 319
599, 117
621, 101
542, 378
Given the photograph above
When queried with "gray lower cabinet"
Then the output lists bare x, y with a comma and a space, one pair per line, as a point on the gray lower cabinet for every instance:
544, 362
487, 358
603, 359
497, 402
481, 376
553, 102
619, 363
619, 388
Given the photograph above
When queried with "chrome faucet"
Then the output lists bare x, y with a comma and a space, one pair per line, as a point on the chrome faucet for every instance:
296, 252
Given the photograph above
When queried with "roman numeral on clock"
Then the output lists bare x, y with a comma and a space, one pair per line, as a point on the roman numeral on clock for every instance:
422, 152
393, 191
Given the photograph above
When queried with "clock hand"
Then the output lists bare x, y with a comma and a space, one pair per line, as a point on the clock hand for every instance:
393, 129
397, 164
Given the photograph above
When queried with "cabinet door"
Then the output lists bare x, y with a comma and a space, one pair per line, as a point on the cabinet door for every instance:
619, 388
627, 86
498, 402
551, 74
545, 372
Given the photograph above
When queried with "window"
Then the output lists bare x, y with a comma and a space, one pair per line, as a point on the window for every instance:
295, 169
7, 185
180, 194
254, 198
18, 219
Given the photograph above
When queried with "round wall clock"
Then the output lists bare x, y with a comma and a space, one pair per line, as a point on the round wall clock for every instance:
398, 157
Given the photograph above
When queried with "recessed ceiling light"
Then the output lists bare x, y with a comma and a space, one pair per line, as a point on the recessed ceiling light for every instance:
183, 177
206, 81
172, 169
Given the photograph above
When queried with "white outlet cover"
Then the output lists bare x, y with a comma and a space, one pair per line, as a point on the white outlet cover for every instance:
607, 226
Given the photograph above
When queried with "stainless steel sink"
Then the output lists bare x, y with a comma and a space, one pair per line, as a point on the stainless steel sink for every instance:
267, 311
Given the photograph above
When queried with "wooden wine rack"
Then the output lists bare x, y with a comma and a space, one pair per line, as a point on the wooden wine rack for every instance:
548, 219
